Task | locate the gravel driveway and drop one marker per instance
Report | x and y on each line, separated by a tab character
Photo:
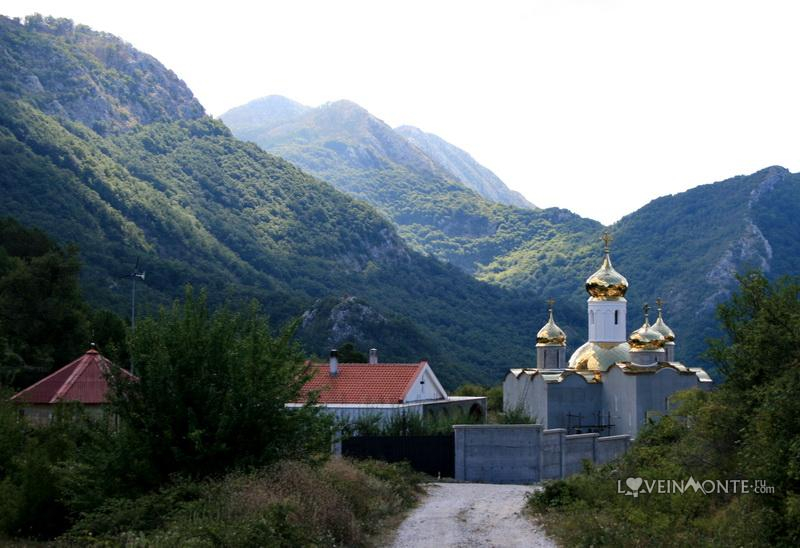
470	514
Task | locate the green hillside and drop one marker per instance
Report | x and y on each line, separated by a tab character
686	249
154	179
345	145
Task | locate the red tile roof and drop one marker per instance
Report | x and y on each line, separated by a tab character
83	380
363	383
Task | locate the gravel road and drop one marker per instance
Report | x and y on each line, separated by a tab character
471	514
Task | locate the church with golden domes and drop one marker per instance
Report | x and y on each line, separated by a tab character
612	384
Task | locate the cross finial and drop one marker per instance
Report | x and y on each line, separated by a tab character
659	303
646	309
607	240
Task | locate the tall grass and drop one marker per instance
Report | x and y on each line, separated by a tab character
289	504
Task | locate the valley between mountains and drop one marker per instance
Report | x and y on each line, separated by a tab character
379	236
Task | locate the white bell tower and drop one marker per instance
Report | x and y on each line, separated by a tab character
607	304
607	321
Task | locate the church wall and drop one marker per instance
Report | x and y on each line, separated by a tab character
619	399
536	404
512	391
654	393
572	396
527	393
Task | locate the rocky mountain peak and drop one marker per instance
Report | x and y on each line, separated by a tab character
89	77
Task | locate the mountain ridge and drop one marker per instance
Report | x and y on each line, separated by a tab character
466	169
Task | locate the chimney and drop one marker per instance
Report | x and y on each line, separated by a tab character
333	363
373	356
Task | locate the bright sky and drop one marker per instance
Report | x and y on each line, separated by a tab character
595	106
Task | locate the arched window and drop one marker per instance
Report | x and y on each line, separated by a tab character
591	316
616	317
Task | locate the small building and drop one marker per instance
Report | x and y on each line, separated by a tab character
83	380
351	391
612	384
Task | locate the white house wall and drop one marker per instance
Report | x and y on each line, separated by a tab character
426	387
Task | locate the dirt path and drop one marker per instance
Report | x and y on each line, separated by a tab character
470	514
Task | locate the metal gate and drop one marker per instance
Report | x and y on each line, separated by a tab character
433	455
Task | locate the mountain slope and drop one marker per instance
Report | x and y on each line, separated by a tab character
464	167
174	188
345	145
685	248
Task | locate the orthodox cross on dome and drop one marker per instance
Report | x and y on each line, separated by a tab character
646	309
607	240
550	303
659	304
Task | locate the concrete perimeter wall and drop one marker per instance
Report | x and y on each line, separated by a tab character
501	453
526	453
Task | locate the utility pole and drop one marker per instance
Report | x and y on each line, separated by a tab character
134	276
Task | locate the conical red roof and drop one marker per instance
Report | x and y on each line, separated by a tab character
83	380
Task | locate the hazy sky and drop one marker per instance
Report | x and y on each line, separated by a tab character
596	106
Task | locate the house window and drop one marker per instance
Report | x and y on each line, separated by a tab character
616	317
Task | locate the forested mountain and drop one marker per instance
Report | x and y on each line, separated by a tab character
147	175
102	146
684	248
345	145
464	167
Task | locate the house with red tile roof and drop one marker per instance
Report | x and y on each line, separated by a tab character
354	390
83	380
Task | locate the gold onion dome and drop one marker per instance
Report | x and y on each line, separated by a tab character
607	284
551	334
661	326
646	338
599	356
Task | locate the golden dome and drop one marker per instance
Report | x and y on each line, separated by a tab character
661	326
551	334
646	338
607	284
597	356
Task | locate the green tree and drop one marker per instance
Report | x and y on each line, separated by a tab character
348	353
43	318
211	392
